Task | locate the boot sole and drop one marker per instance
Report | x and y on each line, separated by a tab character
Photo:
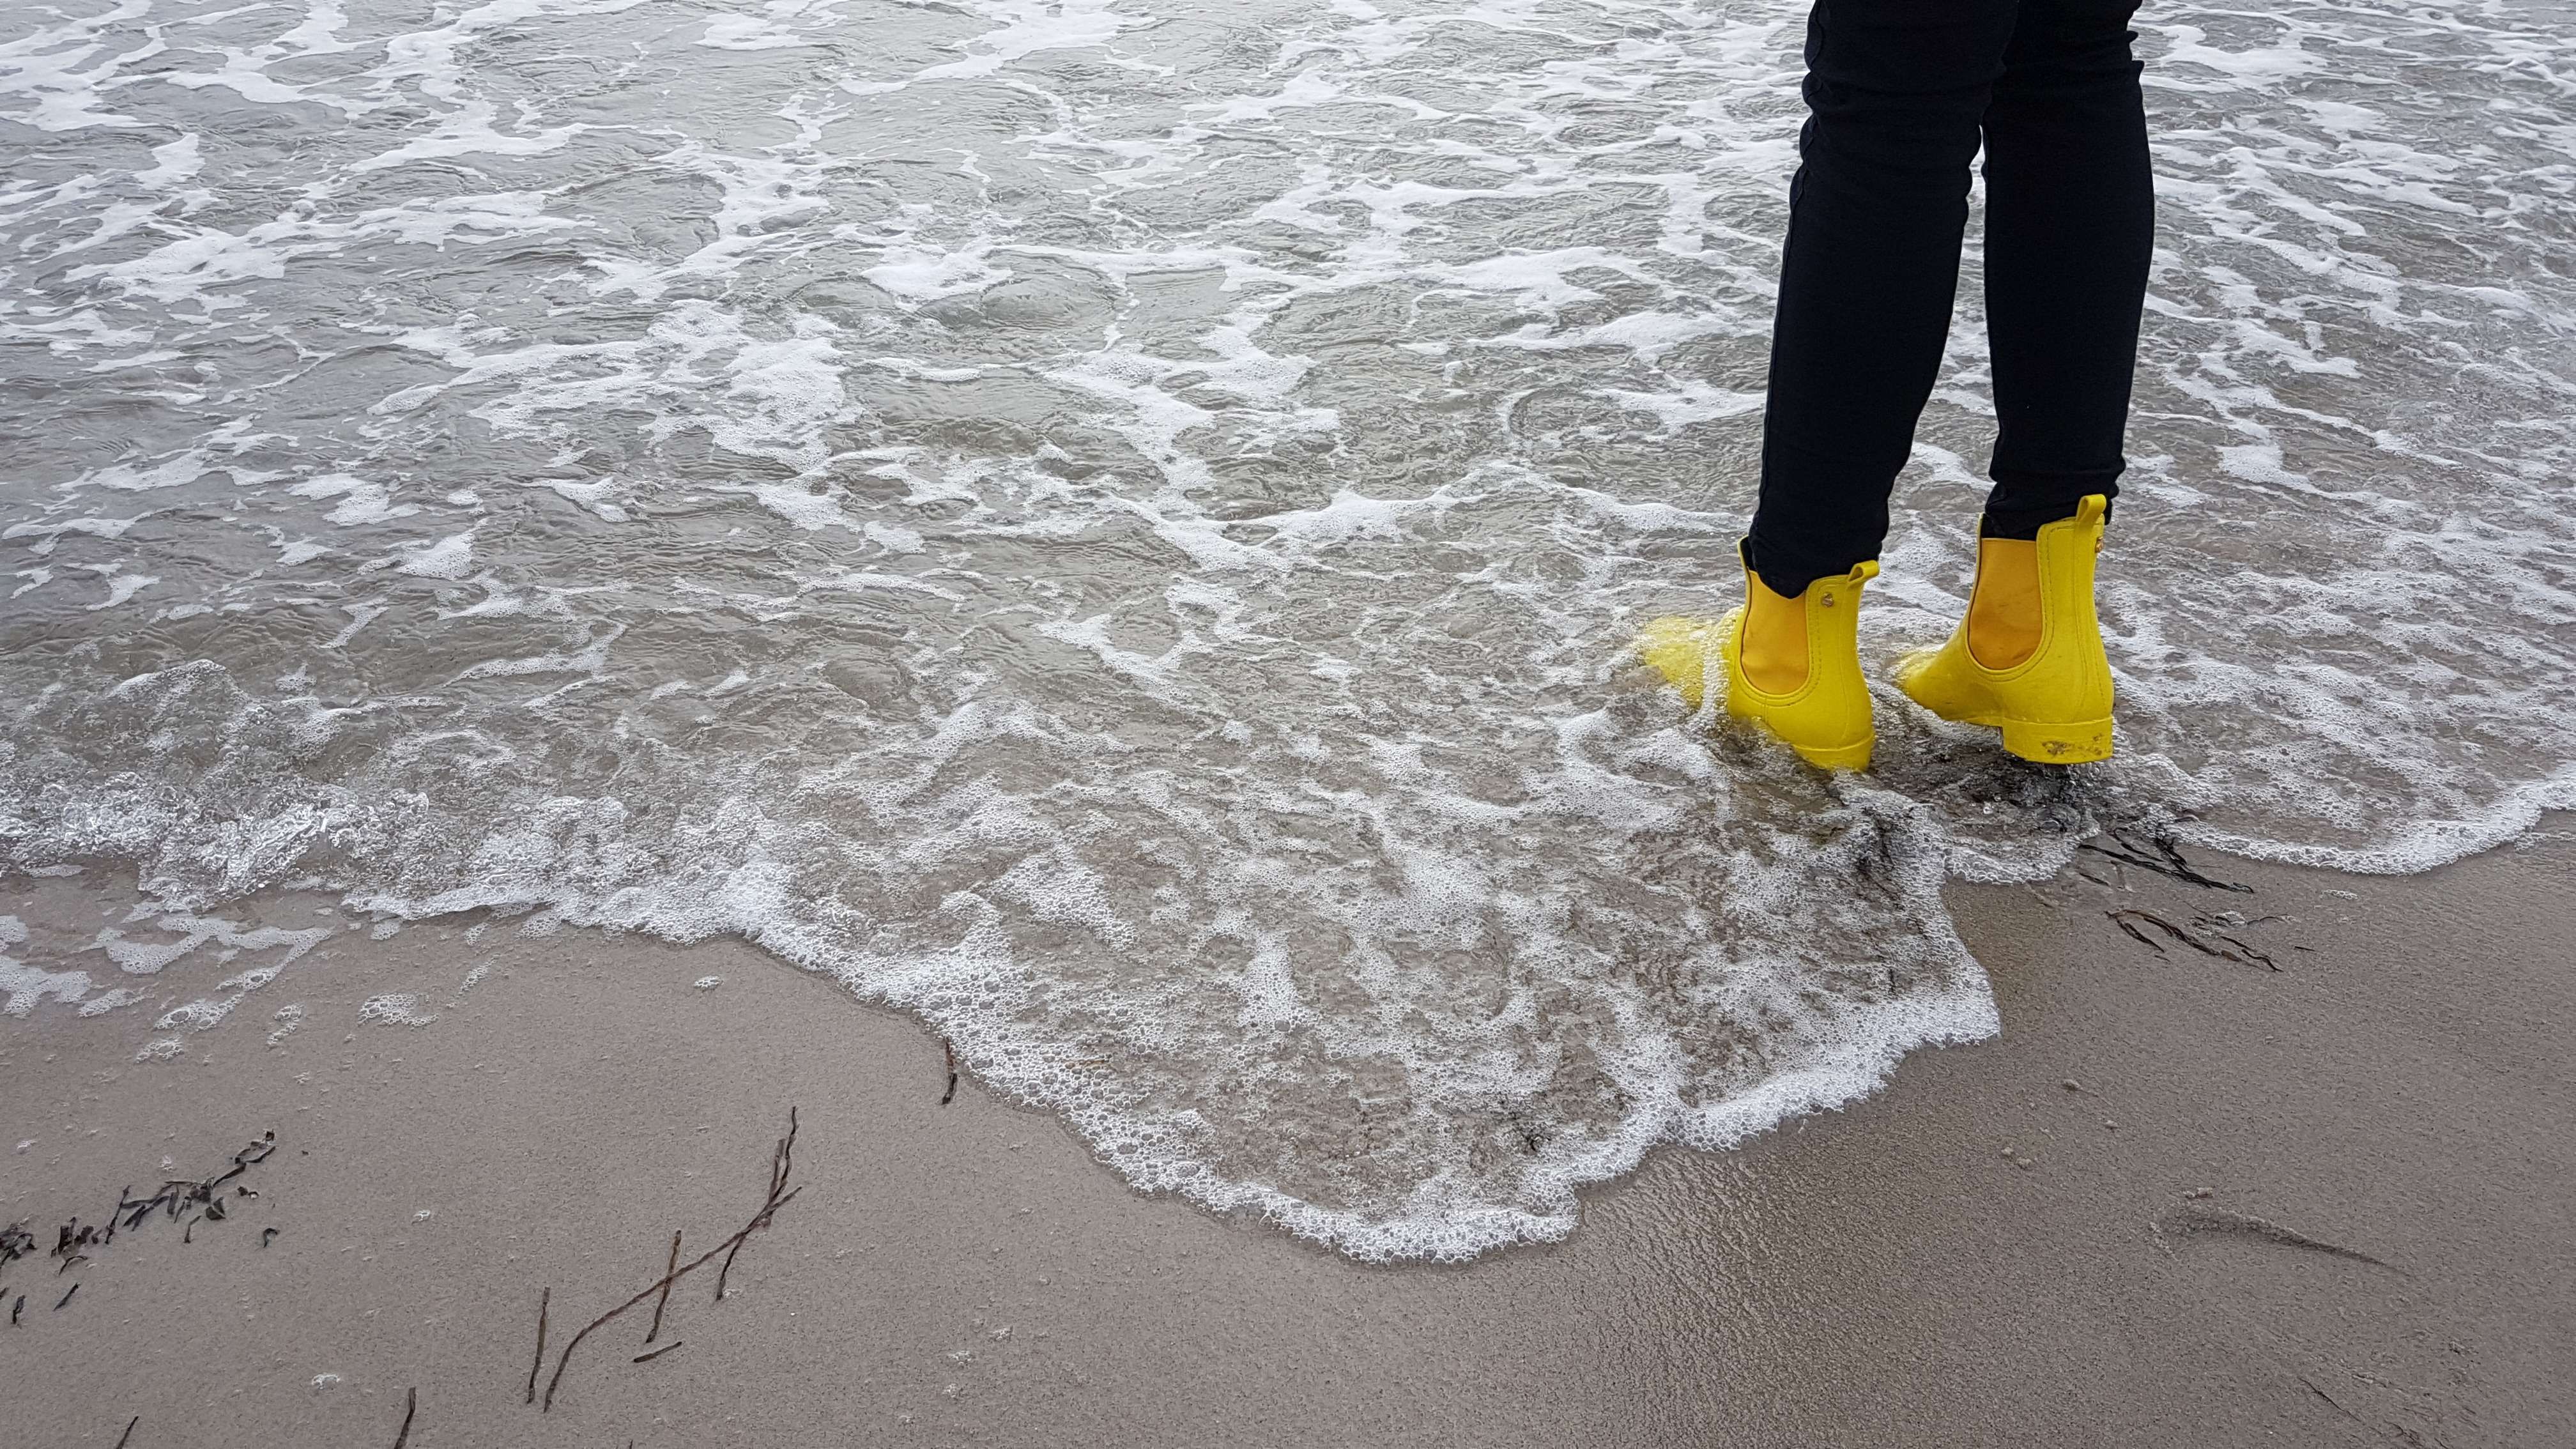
2078	743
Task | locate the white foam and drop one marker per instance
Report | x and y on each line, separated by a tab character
362	502
29	986
447	558
394	1008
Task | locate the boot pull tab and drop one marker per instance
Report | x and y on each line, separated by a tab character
1861	573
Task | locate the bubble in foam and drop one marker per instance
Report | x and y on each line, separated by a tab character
394	1008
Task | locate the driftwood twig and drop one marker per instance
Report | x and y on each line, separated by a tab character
665	1300
782	1163
411	1406
544	1295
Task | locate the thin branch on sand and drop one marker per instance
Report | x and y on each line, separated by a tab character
411	1406
665	1300
782	1163
544	1295
950	1052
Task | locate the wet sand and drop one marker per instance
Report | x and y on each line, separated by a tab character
2184	1200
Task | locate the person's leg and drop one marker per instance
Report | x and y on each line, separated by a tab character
1897	91
2070	220
2070	224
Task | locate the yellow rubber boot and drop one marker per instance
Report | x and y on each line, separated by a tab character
2049	688
1812	696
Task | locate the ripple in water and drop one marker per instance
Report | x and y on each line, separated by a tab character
1114	528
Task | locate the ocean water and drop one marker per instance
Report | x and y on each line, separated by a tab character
1116	528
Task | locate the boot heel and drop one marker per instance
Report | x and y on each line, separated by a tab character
2073	743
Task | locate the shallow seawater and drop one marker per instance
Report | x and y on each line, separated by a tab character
1116	528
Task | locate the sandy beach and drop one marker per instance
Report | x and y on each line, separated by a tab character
2185	1199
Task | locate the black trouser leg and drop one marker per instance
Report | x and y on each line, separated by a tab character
1900	94
2070	224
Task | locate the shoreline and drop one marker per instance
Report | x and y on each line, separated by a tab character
2330	1207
